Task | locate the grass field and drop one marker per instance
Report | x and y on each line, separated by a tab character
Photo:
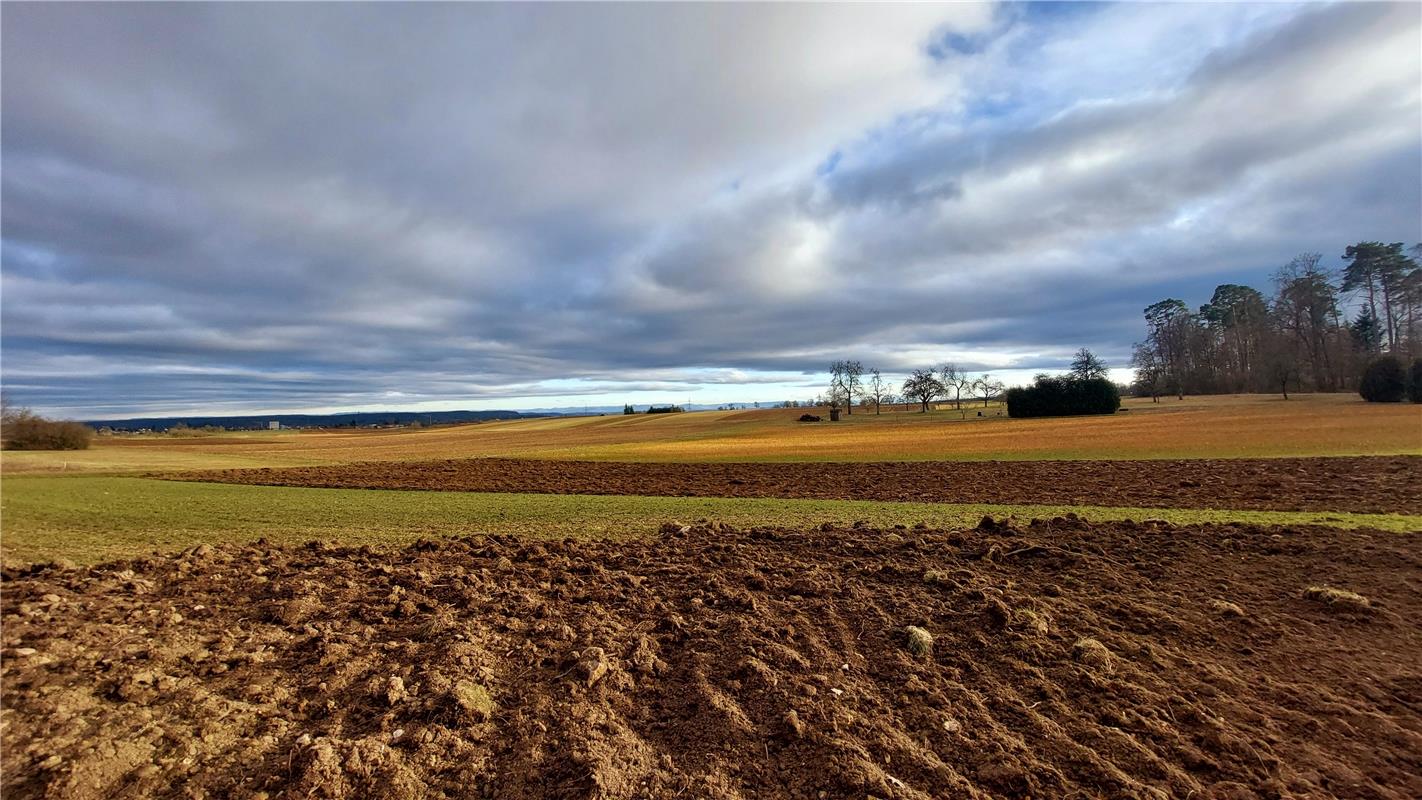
89	519
91	505
1197	427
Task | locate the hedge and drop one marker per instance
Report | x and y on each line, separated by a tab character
1384	381
1063	396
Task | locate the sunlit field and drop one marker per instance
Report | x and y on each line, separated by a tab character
1197	427
90	519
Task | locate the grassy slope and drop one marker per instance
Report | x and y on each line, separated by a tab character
1212	427
96	518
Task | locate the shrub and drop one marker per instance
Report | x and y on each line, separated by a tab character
1061	396
1414	381
25	430
1384	381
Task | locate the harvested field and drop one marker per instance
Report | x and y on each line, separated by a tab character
1236	426
1380	484
1061	659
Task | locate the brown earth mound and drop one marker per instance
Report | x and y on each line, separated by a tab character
1379	484
1056	660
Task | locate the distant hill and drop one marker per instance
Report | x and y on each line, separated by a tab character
355	419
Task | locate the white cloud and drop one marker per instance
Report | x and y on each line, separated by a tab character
464	201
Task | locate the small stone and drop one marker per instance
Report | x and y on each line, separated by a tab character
51	598
998	613
920	641
793	723
1226	609
593	665
51	762
952	725
24	652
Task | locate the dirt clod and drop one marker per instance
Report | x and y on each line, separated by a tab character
794	725
593	665
1226	609
395	690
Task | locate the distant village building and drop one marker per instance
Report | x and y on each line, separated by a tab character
274	425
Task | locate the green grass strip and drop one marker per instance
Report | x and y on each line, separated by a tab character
90	519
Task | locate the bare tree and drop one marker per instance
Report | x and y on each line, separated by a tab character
986	387
923	386
878	390
1150	375
853	385
955	378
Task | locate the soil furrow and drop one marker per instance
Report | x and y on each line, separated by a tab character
1373	484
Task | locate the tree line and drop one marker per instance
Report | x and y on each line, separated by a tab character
850	381
1318	329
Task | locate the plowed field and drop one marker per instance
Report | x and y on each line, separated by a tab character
1061	660
1382	484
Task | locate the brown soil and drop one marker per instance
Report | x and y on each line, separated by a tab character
1375	484
1063	660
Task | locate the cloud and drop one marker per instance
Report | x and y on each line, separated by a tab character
335	205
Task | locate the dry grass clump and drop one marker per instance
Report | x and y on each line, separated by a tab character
1340	599
1226	609
473	700
1033	621
1094	655
920	641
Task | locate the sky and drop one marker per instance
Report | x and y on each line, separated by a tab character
250	208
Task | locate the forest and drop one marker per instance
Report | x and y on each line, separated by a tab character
1318	330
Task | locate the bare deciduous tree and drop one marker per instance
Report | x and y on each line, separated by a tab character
955	378
923	386
987	388
878	390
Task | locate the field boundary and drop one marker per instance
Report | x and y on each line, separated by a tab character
1376	484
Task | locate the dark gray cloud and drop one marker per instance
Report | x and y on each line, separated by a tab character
331	205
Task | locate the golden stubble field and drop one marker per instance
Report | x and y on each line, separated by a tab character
1197	427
